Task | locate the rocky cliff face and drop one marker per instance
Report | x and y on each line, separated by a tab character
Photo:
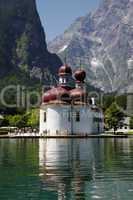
104	42
22	41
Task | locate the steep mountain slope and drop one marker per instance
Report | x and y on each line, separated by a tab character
104	42
23	48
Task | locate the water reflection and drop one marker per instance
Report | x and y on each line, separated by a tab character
66	169
87	169
66	165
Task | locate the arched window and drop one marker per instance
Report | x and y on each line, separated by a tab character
77	116
45	116
69	116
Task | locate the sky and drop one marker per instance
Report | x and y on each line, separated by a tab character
57	15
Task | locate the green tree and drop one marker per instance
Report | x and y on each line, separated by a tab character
113	117
131	122
33	118
16	120
107	100
21	119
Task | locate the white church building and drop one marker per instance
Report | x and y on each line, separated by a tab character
67	111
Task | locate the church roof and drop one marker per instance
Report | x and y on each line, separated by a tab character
65	70
57	93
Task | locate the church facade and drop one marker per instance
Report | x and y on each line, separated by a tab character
69	111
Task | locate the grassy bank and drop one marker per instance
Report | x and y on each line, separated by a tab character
129	132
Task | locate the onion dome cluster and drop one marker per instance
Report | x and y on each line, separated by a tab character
65	93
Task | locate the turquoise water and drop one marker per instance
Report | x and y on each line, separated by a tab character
62	169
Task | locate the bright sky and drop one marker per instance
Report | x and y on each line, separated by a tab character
57	15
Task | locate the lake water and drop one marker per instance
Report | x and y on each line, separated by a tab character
78	169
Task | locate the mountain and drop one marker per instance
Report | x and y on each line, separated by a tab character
103	40
23	48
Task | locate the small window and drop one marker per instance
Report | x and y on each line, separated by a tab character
64	80
69	115
77	116
45	116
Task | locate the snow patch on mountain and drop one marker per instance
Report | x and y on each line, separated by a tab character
63	49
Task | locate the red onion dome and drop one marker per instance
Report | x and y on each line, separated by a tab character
65	70
57	93
80	75
78	94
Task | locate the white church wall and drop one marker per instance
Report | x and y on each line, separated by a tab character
84	126
61	120
57	120
98	123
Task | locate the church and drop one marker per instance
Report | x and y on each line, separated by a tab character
67	110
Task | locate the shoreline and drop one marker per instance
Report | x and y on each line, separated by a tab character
67	137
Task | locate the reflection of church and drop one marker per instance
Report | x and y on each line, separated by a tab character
86	168
66	166
70	111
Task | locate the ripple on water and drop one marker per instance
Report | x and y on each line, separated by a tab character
66	169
